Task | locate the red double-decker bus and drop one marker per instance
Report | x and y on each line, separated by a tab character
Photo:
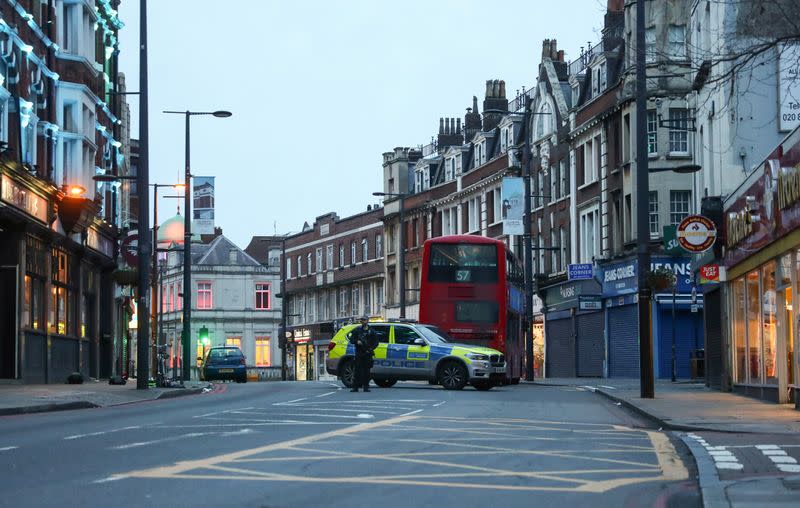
472	287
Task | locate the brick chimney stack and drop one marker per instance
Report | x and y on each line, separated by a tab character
472	120
449	134
495	105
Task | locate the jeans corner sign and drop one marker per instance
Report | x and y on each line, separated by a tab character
696	233
580	271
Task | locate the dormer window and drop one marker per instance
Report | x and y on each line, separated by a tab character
449	169
480	153
544	120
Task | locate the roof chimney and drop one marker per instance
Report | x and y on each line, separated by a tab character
495	104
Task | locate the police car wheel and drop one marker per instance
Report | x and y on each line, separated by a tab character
453	376
385	382
482	387
348	373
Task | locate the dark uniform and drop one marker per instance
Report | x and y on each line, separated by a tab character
365	342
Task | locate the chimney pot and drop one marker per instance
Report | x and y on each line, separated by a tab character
560	55
502	89
441	125
488	88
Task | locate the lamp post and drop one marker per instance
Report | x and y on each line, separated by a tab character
187	240
646	380
401	247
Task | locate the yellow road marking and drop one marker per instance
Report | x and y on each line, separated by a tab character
668	459
669	465
182	467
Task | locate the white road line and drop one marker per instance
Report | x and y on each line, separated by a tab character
290	402
109	479
211	414
590	388
326	394
780	458
90	434
439	404
7	448
605	386
173	438
412	413
365	416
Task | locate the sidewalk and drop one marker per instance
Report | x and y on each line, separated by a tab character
21	399
693	407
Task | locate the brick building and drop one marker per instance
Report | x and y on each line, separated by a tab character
333	274
59	126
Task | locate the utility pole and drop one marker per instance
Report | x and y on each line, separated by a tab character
529	275
282	339
143	189
642	210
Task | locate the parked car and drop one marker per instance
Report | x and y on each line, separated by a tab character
224	362
415	351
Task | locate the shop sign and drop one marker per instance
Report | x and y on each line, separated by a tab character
696	233
24	199
671	245
565	296
590	302
580	271
622	278
100	243
768	206
129	249
301	335
709	274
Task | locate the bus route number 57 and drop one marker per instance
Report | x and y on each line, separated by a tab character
462	275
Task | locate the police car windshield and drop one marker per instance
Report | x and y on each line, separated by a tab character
434	334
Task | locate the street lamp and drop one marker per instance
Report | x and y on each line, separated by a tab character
187	241
401	247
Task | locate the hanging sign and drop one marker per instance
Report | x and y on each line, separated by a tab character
696	233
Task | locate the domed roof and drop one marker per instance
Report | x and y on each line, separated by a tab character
171	230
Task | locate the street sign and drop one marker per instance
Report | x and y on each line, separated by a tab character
580	271
128	249
590	302
696	233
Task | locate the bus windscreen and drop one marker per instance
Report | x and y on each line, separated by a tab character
463	262
476	312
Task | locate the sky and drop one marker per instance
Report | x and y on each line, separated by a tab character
319	90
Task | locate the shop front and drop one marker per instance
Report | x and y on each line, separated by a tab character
309	350
762	262
573	330
677	321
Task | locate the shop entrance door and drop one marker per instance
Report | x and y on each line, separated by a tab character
785	336
9	335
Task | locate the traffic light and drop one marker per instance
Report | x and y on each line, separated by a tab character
203	336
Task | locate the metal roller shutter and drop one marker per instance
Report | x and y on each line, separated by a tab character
623	341
590	344
560	359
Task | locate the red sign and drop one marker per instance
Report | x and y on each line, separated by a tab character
709	273
767	205
129	249
696	233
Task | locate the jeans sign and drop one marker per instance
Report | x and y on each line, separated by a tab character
580	271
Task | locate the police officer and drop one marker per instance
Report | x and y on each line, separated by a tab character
365	342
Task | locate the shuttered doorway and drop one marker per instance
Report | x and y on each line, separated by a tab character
623	341
590	344
560	353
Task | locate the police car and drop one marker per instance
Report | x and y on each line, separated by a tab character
414	351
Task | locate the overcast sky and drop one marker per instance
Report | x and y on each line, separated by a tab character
320	89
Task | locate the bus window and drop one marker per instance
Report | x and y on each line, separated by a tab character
463	263
476	312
